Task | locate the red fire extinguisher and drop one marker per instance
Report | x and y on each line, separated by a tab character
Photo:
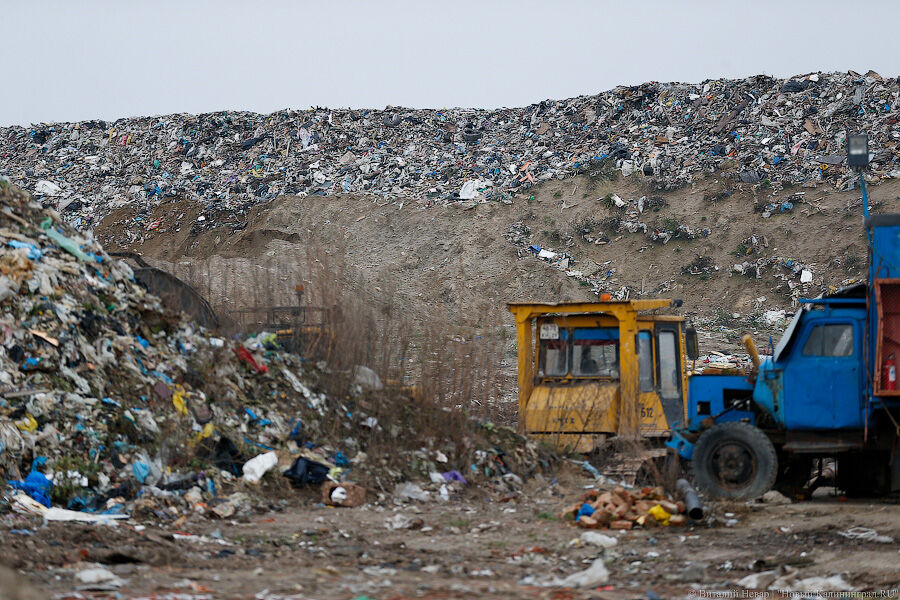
889	373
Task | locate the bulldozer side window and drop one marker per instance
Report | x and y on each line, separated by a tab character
668	366
645	361
554	357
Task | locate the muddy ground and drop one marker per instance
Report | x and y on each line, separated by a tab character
471	547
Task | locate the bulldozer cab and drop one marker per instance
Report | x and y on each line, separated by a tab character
592	371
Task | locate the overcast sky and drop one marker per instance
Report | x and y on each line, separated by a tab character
65	60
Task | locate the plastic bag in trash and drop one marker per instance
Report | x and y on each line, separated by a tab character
35	485
259	465
306	471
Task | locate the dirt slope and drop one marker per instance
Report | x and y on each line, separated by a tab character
459	258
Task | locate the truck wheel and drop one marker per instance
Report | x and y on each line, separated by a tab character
734	460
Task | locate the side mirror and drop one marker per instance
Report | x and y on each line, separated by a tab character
693	346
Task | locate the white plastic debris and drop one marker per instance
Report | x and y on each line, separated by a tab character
366	378
596	574
99	575
411	491
864	533
47	188
468	190
757	581
402	521
23	503
513	479
598	539
835	583
806	276
296	383
338	495
773	317
259	465
787	578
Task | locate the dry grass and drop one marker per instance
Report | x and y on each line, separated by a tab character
441	372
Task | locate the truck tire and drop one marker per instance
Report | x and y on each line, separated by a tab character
734	460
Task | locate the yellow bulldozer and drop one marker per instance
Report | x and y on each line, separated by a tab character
592	372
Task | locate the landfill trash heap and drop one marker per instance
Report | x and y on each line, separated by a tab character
757	130
112	404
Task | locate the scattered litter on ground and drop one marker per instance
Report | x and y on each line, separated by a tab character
866	534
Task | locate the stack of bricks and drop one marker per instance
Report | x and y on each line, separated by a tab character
623	509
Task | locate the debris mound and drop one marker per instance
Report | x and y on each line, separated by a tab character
759	130
106	395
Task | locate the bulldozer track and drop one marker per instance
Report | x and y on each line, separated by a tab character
627	469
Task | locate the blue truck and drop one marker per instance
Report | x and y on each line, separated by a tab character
827	390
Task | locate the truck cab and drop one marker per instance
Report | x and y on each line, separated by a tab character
824	392
818	365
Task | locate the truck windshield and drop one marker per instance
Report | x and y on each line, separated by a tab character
595	352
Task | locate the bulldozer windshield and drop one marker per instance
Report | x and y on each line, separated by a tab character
584	352
595	352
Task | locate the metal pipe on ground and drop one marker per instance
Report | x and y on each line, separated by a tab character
691	501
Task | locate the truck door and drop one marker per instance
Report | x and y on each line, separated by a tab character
822	380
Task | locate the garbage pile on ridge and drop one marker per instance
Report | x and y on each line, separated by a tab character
631	220
636	217
110	404
757	130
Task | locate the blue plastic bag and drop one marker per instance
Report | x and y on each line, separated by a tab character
35	485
